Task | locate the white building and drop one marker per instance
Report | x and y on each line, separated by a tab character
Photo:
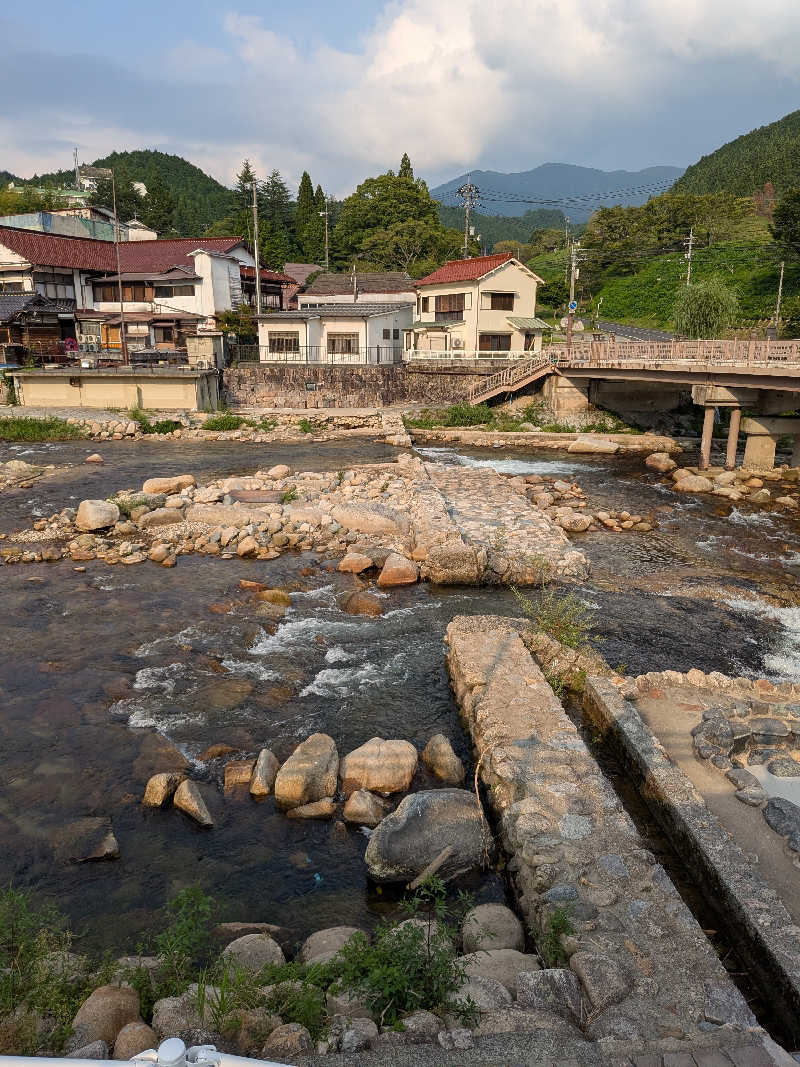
335	333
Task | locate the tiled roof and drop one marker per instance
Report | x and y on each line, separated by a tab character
301	271
466	270
267	275
336	311
85	253
12	303
385	281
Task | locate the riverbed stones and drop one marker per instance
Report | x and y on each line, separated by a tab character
189	800
253	952
371	517
134	1038
486	994
661	462
317	809
96	515
278	472
324	944
264	774
694	483
504	965
439	757
379	766
593	446
309	774
160	788
397	570
424	824
452	563
85	840
492	926
362	603
103	1014
784	767
603	979
364	809
237	773
161	517
783	816
355	563
170	485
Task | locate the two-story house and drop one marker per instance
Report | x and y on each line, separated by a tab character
482	305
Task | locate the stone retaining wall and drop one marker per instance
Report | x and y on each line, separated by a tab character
647	973
766	936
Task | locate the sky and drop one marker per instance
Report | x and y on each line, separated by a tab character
342	88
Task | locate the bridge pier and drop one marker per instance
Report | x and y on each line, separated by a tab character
733	439
705	440
762	439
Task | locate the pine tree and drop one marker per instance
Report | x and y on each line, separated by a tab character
305	205
243	192
406	170
158	208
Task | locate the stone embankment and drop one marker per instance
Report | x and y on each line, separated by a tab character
628	966
580	443
409	519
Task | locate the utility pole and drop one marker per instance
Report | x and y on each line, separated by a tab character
688	242
255	243
573	274
123	340
77	169
778	305
324	214
566	231
469	195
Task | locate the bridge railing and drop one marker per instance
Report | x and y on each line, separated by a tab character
740	353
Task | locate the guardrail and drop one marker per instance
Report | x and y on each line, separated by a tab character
458	355
511	376
738	353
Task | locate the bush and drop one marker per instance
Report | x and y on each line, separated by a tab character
224	421
455	415
705	309
28	429
562	616
306	426
11	393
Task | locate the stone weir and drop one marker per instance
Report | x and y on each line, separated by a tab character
629	966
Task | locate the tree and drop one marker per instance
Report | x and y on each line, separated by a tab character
416	247
243	193
305	205
790	317
785	227
158	208
239	322
406	170
129	202
706	309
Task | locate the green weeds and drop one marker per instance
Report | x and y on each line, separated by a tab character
28	429
225	421
562	616
306	426
549	943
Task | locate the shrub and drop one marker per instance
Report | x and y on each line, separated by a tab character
28	429
549	943
455	415
306	426
705	309
186	937
224	421
289	496
11	393
562	616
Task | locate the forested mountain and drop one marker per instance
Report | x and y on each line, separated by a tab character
553	181
768	154
494	228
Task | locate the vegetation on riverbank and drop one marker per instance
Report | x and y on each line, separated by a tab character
532	417
29	429
405	967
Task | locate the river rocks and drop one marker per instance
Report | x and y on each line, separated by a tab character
96	515
504	965
134	1038
248	546
364	809
103	1014
784	767
593	445
379	766
554	989
317	809
161	788
397	570
253	952
492	926
309	774
222	515
661	462
177	1016
86	840
278	472
694	483
361	603
439	757
189	800
486	994
238	772
264	774
784	817
371	518
278	597
424	824
287	1043
347	1035
95	457
355	563
161	517
324	944
169	485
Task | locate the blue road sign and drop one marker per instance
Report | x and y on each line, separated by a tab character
573	305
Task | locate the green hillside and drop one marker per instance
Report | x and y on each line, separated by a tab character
768	154
494	228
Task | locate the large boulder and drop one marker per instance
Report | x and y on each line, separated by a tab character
264	774
694	483
439	757
355	563
189	800
486	994
424	824
492	926
661	462
169	485
309	774
103	1014
253	952
372	518
161	787
287	1043
223	515
453	563
361	603
364	809
134	1038
397	570
96	515
504	965
87	839
593	446
324	944
379	766
161	517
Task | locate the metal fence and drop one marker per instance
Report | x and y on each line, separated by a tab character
737	353
462	355
317	355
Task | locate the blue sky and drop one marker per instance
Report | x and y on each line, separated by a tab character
342	89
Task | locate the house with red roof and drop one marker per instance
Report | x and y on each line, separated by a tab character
169	289
479	307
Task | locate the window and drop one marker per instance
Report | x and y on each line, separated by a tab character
284	342
163	335
105	294
497	301
342	343
494	342
450	307
55	286
138	328
11	287
269	300
395	335
133	292
387	335
163	292
426	303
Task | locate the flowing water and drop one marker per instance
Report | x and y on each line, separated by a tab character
106	667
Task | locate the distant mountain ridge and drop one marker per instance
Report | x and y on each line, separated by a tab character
767	154
552	181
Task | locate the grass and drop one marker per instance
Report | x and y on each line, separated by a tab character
162	426
289	496
225	421
28	429
549	944
535	414
306	426
562	616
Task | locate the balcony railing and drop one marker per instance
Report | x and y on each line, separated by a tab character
462	355
317	355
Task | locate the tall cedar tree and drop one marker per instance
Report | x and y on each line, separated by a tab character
406	170
305	205
785	226
312	239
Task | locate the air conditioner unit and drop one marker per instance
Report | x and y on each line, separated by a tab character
458	342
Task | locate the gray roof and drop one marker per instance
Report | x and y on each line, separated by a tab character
334	311
12	303
384	281
301	271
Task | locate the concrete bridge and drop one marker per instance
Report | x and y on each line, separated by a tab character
761	376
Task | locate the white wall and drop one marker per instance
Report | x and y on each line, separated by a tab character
308	299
